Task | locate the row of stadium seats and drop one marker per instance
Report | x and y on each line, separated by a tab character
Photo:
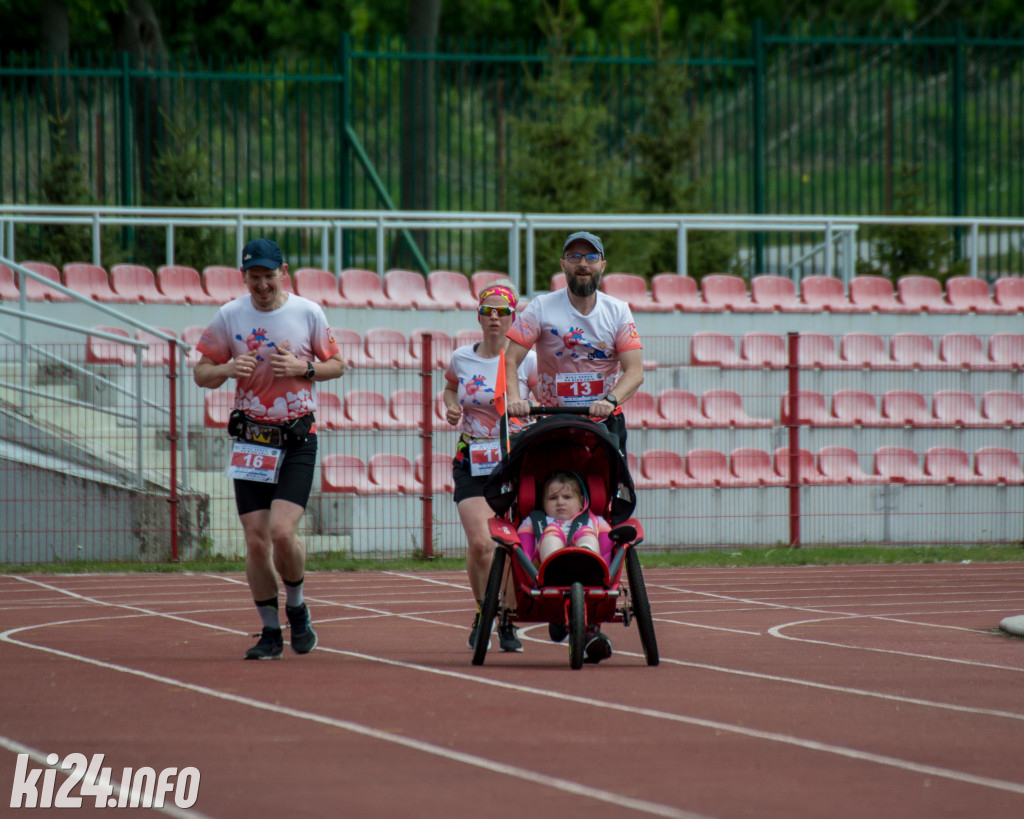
905	351
949	408
833	465
384	473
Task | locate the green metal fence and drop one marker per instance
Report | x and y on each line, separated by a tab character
841	122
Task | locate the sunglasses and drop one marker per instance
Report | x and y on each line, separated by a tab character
501	311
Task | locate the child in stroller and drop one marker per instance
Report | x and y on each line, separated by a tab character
565	520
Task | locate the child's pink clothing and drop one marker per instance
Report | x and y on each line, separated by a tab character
594	525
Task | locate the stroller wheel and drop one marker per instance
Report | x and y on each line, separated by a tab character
489	607
577	626
641	607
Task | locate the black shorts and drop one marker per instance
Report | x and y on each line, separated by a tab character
294	483
466	485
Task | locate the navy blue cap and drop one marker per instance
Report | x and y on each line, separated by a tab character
262	253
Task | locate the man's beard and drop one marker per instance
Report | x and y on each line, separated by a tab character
581	288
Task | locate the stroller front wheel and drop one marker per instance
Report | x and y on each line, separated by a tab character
489	606
577	625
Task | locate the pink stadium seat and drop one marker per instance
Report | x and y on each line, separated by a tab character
914	351
159	352
389	348
680	409
906	408
763	350
679	292
708	467
875	293
856	408
35	290
956	408
352	349
967	295
864	350
393	473
479	280
1006	351
632	289
729	293
922	294
347	474
664	468
439	410
365	409
752	467
1003	408
104	351
640	481
777	293
806	470
319	286
89	280
223	283
136	283
642	410
191	335
405	288
363	288
441	472
8	284
826	293
946	464
286	283
330	414
997	465
841	465
217	407
557	282
181	285
451	289
963	351
818	350
405	410
464	337
724	408
897	464
709	349
1008	294
811	409
441	347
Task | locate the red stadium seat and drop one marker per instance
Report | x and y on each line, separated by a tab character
441	480
724	408
922	294
1006	351
729	293
8	284
352	349
640	481
159	352
319	286
806	470
347	474
826	293
136	282
389	348
810	406
708	467
363	288
956	408
965	352
642	410
1008	294
997	465
451	289
679	292
330	414
818	350
406	288
89	280
1003	408
763	350
914	351
479	280
680	409
557	282
393	473
856	408
753	467
36	290
841	465
405	409
191	335
967	295
632	289
777	293
875	293
864	350
179	285
906	408
104	351
224	284
217	408
441	347
897	464
664	468
365	409
464	337
709	349
947	464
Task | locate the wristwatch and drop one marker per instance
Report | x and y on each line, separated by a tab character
611	399
310	371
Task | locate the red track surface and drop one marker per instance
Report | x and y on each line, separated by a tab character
796	692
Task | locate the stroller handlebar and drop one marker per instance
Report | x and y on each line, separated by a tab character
560	410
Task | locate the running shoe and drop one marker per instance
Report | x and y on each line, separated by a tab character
507	637
270	646
598	647
303	638
471	642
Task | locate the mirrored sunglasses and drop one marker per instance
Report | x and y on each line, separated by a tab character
501	311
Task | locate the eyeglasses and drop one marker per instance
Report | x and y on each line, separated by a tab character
576	258
501	311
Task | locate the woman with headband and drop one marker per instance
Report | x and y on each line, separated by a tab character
469	401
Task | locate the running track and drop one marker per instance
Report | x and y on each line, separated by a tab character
786	692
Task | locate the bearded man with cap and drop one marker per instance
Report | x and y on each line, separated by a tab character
589	354
276	345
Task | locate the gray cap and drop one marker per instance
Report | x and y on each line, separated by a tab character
586	237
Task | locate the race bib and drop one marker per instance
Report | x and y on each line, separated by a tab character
483	457
579	388
252	462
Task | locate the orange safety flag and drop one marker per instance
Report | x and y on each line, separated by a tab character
499	385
